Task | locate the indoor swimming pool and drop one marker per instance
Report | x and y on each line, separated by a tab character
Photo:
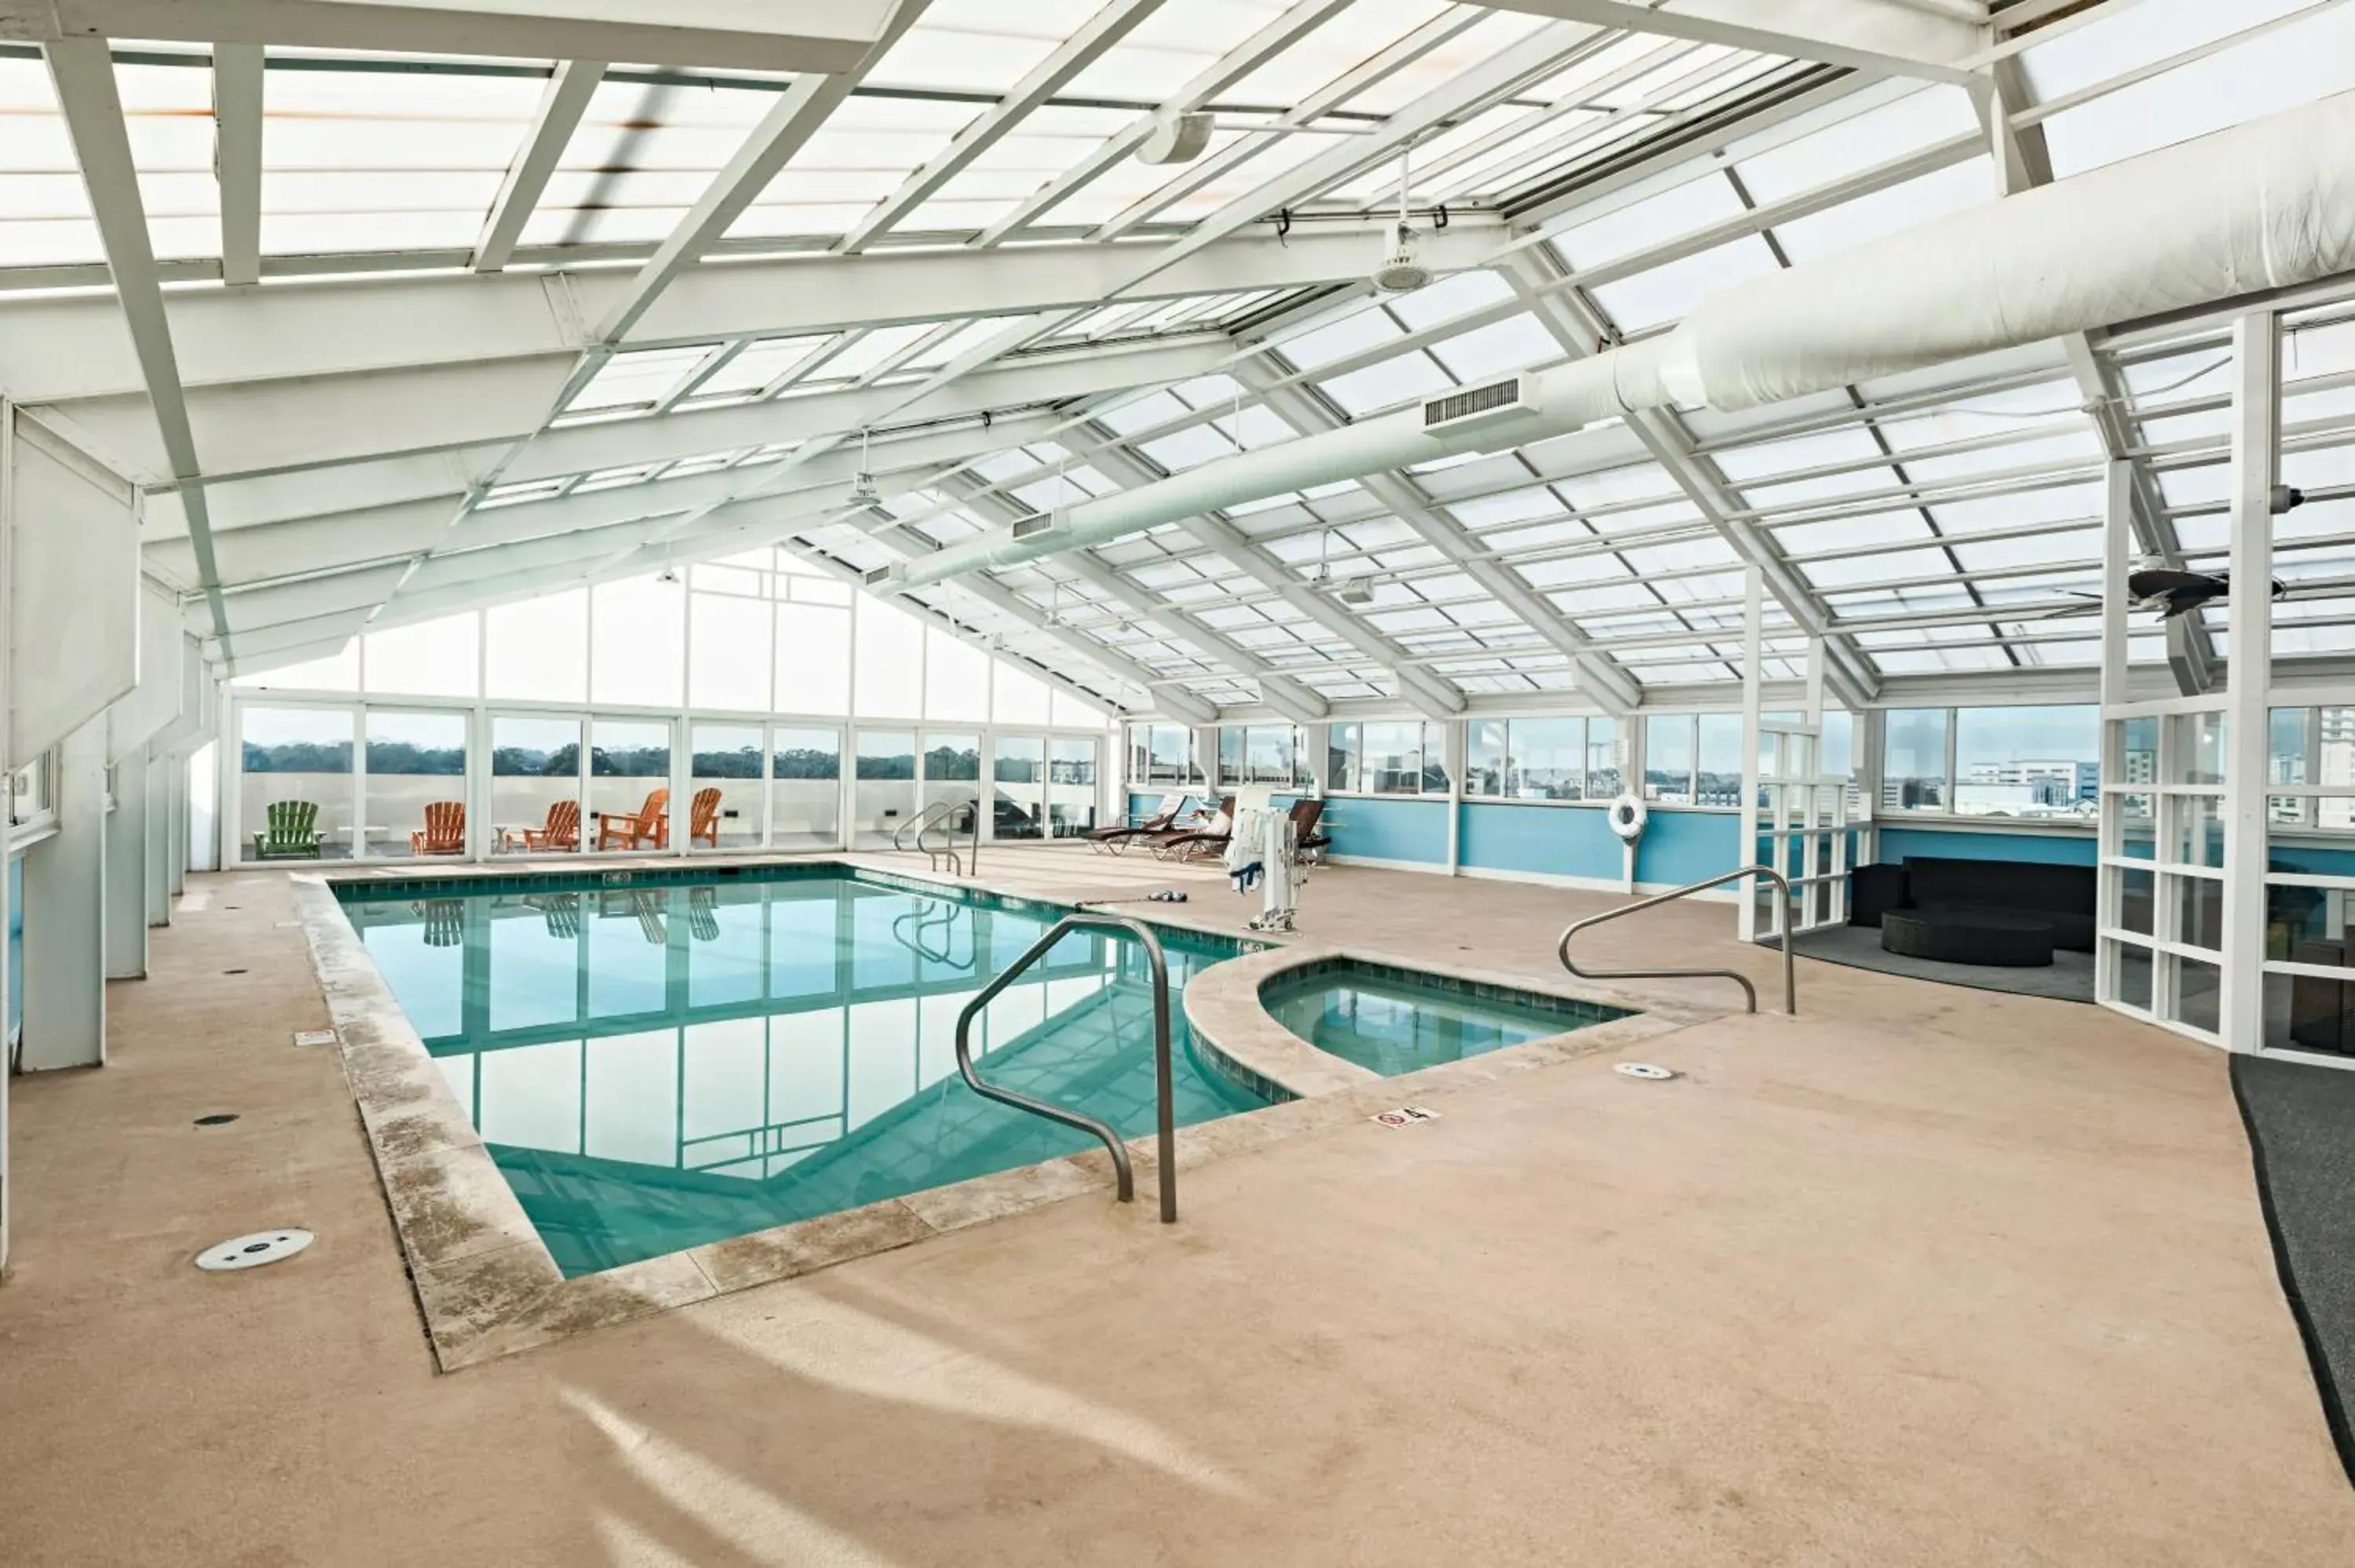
657	1064
1396	1021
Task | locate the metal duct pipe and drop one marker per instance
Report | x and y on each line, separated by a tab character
2263	206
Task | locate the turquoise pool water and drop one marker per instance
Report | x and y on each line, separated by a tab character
661	1065
1394	1021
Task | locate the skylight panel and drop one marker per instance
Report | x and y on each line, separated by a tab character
2288	65
1188	448
869	351
1276	155
1170	47
2140	34
1387	385
1919	120
636	380
1647	224
1889	211
168	113
1355	333
43	209
1488	352
1358	35
1154	408
1491	36
1668	293
979	45
759	365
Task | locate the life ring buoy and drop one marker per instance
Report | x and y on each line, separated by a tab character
1628	816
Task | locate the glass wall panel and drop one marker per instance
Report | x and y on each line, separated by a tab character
1071	789
416	761
535	769
537	650
813	660
1394	762
956	678
885	794
1717	774
1269	753
953	775
1017	698
1065	711
1605	779
2286	752
1548	759
728	659
1913	759
1018	787
629	759
432	659
1231	756
726	758
1483	757
1668	758
2041	762
804	788
297	755
637	643
1342	773
888	664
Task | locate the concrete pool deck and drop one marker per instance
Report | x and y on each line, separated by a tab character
1926	1275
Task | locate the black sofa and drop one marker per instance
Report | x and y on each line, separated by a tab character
2060	895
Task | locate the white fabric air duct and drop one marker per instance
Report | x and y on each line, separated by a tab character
2264	205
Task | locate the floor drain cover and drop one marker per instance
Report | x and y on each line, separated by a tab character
218	1118
253	1251
315	1037
1642	1070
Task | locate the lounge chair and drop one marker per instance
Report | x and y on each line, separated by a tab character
1305	839
1113	840
1209	838
292	833
445	830
649	829
703	819
563	832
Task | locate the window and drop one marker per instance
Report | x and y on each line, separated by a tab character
804	788
813	659
1071	785
1161	754
301	758
1259	753
415	761
1400	758
1341	758
728	659
727	757
1913	759
629	759
535	768
2032	762
1017	806
887	665
1544	759
1717	779
432	658
637	643
885	794
1668	758
537	650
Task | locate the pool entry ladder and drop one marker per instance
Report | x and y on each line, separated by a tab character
1790	983
1164	1094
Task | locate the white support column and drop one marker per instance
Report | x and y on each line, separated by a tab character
157	890
176	865
65	915
124	907
1454	748
1754	610
2256	455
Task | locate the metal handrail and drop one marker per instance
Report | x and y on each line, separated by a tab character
919	821
1790	981
1163	1092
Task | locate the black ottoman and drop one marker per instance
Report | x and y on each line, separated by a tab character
1986	938
1873	891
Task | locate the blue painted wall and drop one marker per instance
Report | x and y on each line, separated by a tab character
1556	841
1374	828
2044	849
2312	859
1682	847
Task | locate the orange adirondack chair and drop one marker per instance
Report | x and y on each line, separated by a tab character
445	830
649	828
703	819
563	832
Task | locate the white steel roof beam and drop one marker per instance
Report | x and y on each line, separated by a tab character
777	36
236	159
1883	37
1112	21
82	71
561	105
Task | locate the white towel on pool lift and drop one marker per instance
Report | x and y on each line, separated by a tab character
1245	857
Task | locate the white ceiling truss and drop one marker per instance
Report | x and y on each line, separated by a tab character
389	332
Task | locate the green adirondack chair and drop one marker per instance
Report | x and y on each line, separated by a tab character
292	834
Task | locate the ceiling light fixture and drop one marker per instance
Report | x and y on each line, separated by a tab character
1401	273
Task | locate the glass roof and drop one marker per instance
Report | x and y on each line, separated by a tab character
968	305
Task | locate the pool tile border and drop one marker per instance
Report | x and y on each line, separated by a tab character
487	1286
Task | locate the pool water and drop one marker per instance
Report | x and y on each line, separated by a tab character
1393	1022
659	1066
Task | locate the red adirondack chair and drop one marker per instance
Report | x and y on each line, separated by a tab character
563	832
703	819
445	830
649	829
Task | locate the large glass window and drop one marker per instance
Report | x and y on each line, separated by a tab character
537	650
432	658
953	775
813	658
629	759
2034	762
416	784
1543	759
804	788
1717	773
724	759
637	643
889	667
956	678
1259	753
1018	787
729	658
1402	759
1341	768
1161	754
885	793
1668	758
300	759
1071	791
535	784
